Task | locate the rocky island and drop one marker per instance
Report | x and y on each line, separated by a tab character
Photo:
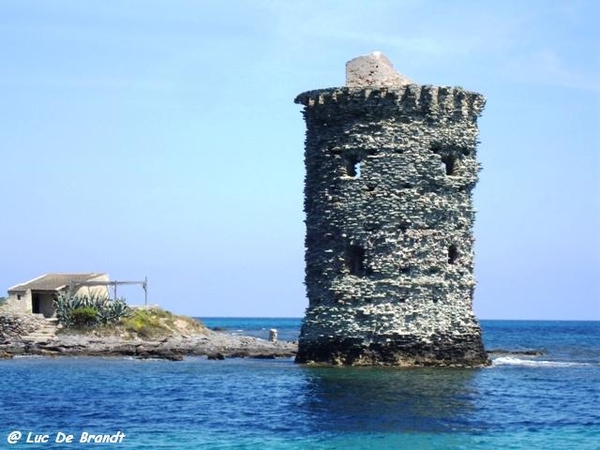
150	333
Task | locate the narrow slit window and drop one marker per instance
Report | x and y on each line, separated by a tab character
449	164
355	260
452	254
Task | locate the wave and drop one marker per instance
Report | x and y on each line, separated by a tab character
512	361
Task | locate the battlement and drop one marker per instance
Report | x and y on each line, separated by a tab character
436	102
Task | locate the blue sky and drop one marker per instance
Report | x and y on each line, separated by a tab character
160	138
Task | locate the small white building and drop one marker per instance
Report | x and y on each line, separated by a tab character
37	296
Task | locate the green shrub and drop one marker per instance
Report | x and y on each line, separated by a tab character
84	317
154	322
146	323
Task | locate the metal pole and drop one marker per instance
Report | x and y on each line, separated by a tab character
146	291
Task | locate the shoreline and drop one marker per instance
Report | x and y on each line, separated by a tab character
24	335
212	344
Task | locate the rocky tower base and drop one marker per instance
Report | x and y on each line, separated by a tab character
457	346
390	167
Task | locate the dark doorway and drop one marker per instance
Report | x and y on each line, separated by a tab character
36	304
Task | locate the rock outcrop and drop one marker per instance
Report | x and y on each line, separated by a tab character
13	325
390	168
22	335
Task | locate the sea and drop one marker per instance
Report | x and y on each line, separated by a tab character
547	402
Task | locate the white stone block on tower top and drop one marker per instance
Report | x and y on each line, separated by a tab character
373	70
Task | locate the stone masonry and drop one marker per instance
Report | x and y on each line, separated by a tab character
390	169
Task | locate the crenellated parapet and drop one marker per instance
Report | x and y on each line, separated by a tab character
432	102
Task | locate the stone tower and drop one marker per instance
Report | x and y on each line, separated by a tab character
390	168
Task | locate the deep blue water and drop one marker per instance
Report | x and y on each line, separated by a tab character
546	402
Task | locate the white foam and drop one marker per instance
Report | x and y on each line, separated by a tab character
512	361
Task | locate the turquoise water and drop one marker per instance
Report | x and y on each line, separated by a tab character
288	329
548	402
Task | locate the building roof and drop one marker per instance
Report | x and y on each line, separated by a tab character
53	281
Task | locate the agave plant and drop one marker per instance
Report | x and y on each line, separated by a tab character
112	311
63	305
106	311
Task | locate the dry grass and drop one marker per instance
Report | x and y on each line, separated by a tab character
149	323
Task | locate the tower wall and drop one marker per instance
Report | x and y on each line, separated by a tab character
389	226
